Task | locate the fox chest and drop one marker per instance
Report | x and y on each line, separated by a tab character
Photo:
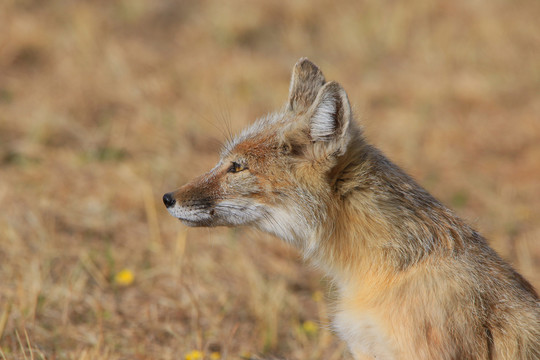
364	335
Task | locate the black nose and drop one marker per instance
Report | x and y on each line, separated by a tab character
168	200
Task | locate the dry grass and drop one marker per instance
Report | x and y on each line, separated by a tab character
105	105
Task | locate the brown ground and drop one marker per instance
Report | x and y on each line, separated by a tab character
106	105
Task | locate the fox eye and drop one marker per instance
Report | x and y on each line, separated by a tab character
236	167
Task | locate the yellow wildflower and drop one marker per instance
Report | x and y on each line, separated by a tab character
215	356
309	327
124	277
194	355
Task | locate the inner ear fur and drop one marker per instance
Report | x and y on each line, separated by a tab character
306	81
330	116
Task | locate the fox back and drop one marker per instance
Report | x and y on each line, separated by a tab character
414	281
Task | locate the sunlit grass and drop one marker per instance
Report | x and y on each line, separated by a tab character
104	106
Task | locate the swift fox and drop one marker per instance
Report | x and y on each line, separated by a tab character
414	281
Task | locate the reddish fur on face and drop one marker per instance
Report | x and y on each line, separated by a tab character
414	280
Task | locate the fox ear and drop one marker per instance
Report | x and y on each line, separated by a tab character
330	117
306	82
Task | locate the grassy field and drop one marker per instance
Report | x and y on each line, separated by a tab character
106	105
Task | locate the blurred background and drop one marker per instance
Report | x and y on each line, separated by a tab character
106	105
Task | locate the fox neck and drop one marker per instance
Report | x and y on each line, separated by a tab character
376	219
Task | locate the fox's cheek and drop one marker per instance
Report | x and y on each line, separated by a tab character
237	211
277	183
242	186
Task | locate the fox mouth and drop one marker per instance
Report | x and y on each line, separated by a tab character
194	223
191	223
210	213
190	217
191	214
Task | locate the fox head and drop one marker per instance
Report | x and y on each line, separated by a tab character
280	174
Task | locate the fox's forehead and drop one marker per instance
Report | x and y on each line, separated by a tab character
260	137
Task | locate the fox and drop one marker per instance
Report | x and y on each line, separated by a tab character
413	280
